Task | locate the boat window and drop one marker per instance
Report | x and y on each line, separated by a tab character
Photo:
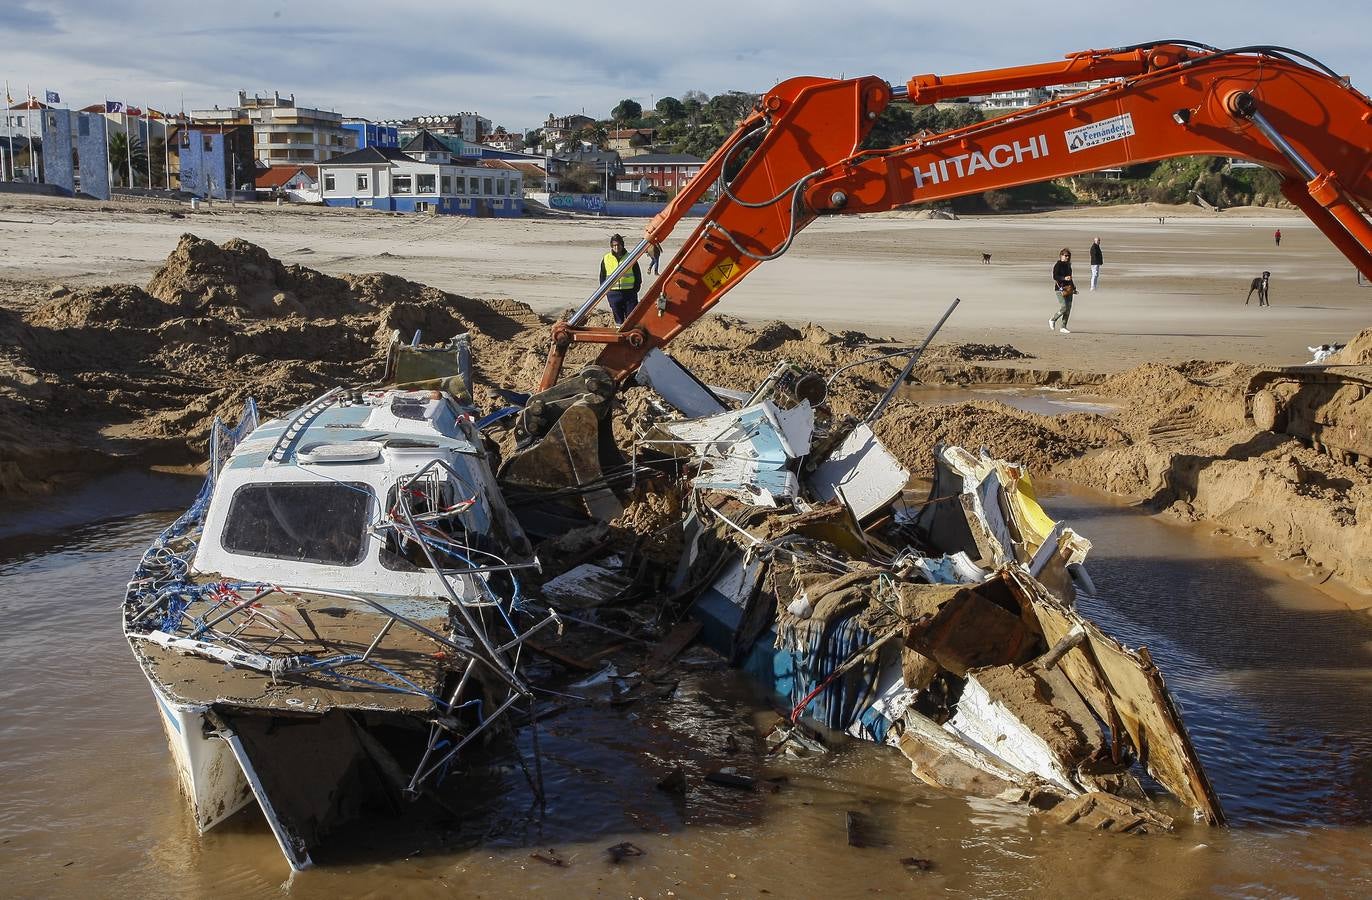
318	522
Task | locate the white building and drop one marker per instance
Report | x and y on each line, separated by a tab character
422	177
470	126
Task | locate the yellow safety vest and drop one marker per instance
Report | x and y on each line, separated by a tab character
626	281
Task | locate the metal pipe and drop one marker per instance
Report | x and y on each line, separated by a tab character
630	258
1245	106
914	358
863	362
420	777
536	564
385	629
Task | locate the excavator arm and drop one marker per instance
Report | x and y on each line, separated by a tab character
799	156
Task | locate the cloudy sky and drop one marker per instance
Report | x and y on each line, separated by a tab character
515	62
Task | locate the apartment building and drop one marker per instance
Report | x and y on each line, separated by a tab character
469	126
284	133
668	172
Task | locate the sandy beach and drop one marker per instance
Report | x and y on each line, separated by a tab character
1168	292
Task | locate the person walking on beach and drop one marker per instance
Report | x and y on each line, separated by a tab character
623	295
1276	236
1096	261
1063	287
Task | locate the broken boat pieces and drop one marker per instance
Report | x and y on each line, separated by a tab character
949	633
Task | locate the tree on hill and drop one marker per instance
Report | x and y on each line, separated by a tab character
693	105
728	108
595	133
627	110
671	109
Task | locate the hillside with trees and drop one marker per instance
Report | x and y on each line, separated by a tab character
698	124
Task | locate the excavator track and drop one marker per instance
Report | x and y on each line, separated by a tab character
1327	407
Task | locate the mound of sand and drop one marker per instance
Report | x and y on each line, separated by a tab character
216	324
1357	352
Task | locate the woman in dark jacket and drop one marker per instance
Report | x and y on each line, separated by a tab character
1064	288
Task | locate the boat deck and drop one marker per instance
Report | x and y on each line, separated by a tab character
296	628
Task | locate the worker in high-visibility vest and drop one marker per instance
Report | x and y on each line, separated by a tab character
623	295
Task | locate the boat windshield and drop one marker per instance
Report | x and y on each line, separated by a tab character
318	522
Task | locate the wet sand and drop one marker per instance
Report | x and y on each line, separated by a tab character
1168	292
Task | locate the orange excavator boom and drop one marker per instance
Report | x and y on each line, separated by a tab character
799	155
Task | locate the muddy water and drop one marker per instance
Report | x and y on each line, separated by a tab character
1276	696
1038	400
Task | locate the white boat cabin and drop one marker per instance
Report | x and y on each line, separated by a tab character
308	500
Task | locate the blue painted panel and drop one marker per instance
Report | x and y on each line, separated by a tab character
57	168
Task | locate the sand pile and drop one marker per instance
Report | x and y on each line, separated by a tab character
216	324
1357	352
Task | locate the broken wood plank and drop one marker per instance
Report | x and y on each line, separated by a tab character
666	650
558	656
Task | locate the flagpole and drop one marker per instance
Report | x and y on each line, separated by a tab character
9	129
128	143
166	152
28	132
109	163
147	145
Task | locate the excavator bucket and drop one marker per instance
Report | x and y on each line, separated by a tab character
573	454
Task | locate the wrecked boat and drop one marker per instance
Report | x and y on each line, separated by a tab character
945	627
334	618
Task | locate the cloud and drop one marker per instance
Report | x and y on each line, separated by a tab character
518	62
25	18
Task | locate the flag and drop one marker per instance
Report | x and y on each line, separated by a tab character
53	98
133	111
113	106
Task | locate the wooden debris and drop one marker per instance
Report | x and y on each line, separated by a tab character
666	650
549	857
1106	812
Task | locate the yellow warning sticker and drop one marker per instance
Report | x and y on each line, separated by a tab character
721	274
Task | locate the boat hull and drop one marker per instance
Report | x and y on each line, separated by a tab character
211	779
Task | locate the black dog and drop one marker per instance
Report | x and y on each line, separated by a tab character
986	259
1259	284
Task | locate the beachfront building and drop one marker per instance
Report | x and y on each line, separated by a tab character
298	184
667	172
423	177
23	122
372	134
214	161
284	133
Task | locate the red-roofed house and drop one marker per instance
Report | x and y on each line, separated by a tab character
299	184
631	141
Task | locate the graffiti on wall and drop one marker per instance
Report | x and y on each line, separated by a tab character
586	203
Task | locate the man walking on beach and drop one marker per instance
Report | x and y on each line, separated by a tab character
623	295
1096	260
1063	287
1276	236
